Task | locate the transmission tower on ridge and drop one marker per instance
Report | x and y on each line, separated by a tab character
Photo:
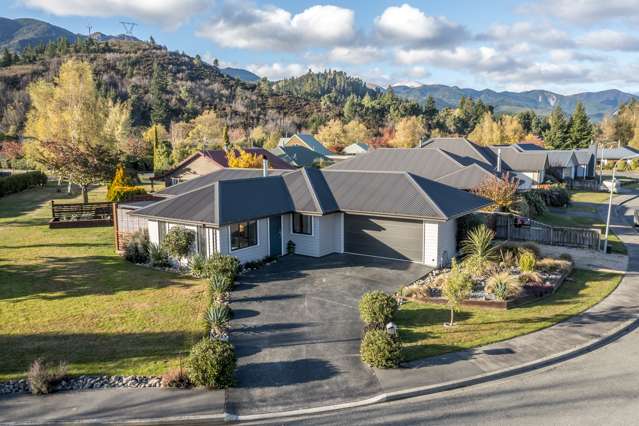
90	27
128	27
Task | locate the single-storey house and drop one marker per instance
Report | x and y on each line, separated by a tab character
207	161
585	158
356	148
300	156
307	141
386	214
563	163
613	154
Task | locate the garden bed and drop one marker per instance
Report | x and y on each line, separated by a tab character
481	299
79	223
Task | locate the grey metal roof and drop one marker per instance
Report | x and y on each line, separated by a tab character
561	158
618	153
300	193
309	141
398	194
527	161
462	147
243	199
356	148
585	155
298	156
523	146
196	206
223	174
429	163
467	178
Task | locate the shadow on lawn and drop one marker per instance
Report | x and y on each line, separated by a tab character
62	277
106	349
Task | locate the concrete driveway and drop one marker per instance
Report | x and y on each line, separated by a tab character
296	331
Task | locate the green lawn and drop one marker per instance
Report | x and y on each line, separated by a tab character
65	295
423	334
583	213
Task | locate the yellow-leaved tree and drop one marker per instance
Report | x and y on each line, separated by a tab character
332	135
409	131
512	130
73	131
487	131
242	159
356	131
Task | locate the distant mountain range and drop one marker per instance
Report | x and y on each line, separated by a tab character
16	34
541	101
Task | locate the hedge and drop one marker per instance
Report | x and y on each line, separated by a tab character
20	182
124	193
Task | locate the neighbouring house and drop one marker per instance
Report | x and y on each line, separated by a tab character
387	214
563	163
300	156
356	148
435	164
609	155
307	141
585	158
207	161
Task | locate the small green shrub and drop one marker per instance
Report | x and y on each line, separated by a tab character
197	265
125	193
290	247
458	286
137	248
217	318
43	376
178	241
20	182
158	257
536	203
218	264
527	261
211	363
377	307
380	350
531	247
503	285
219	287
555	196
478	250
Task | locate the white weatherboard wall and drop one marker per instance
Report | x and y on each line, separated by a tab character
248	254
154	234
327	236
440	242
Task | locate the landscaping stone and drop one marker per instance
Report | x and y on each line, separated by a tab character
85	382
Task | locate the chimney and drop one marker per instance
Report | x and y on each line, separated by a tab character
499	160
264	166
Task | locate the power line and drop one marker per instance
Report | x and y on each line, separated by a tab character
128	27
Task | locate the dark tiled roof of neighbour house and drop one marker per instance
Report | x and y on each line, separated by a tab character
224	174
429	163
462	147
561	158
298	156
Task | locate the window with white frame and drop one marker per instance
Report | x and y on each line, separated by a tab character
302	224
243	235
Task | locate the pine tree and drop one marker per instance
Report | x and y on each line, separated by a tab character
158	89
557	135
225	137
580	128
7	58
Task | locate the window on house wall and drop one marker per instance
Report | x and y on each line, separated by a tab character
243	235
302	224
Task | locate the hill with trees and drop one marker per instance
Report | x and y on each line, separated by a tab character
16	34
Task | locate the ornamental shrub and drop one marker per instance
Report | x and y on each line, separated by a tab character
211	363
137	248
380	350
536	203
377	307
119	194
503	285
197	265
219	264
178	241
527	261
20	182
158	257
42	376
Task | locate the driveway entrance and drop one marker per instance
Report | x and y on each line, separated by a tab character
296	330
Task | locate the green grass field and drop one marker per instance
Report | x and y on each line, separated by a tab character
66	295
423	334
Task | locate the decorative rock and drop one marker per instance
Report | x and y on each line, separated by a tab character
85	382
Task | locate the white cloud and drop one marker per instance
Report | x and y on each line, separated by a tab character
539	34
277	29
409	25
586	11
355	55
168	13
610	40
279	71
481	59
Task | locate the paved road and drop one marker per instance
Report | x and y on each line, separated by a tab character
597	388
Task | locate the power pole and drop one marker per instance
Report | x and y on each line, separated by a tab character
128	27
89	27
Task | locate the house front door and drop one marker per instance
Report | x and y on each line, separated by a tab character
275	235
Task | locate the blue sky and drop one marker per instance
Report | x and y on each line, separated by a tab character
566	46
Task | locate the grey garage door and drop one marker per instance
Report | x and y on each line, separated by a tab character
383	237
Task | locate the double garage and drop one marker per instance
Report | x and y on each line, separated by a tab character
384	237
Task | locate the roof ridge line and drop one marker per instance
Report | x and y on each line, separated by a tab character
312	190
411	178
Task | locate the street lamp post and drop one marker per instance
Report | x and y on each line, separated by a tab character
612	187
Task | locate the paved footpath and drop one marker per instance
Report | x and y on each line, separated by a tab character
595	327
